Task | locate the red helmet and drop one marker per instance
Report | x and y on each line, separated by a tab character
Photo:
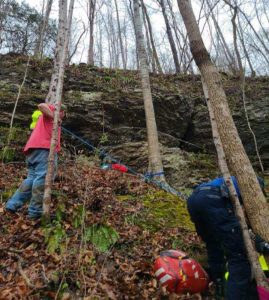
180	274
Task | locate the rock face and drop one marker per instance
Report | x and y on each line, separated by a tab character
106	107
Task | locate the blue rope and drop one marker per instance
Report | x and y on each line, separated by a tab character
148	177
151	175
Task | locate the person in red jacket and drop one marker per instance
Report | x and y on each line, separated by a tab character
37	152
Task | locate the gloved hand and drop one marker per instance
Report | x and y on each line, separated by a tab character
261	245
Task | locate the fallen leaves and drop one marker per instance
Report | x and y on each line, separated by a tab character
87	196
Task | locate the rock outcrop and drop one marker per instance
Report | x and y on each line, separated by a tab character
106	107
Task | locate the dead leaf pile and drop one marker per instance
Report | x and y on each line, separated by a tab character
82	196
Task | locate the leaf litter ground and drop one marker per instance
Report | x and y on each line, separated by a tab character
66	260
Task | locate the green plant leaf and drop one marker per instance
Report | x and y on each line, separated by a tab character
102	236
54	237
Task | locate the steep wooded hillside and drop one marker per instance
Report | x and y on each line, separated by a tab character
106	107
108	227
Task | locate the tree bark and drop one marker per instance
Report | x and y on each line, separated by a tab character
151	61
252	254
254	201
51	96
62	51
68	30
155	162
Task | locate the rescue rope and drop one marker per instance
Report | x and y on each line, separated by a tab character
148	177
151	175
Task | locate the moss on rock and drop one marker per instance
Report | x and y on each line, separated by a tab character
160	210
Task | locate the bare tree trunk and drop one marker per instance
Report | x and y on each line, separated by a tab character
254	201
151	61
120	36
131	14
242	77
239	61
114	43
176	31
230	57
63	30
101	48
68	31
3	13
170	36
233	20
241	37
154	51
91	17
155	162
62	50
125	34
51	96
126	38
39	48
252	254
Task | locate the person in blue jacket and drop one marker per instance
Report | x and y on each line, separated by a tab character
212	212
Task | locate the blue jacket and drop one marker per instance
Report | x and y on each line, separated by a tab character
219	182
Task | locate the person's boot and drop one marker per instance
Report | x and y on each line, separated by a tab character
219	289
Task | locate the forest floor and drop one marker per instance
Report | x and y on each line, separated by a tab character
107	227
106	232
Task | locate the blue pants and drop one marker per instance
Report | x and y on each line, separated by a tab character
219	228
32	188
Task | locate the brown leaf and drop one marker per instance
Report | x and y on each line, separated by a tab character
24	227
108	289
